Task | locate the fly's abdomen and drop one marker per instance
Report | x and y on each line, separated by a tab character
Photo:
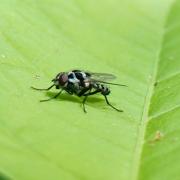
103	89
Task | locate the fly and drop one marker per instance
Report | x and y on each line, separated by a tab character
82	83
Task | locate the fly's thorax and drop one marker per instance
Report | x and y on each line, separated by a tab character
72	78
80	75
72	85
79	78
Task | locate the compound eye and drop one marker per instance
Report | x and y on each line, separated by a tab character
63	78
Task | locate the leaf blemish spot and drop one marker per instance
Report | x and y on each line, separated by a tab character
157	137
156	83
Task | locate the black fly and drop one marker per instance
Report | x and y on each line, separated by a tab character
82	83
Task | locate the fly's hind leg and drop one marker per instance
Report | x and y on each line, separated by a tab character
108	103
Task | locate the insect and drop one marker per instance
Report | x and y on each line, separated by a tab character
82	83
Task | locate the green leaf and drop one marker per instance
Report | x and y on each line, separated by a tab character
138	41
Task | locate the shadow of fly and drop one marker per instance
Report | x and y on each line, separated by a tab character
82	83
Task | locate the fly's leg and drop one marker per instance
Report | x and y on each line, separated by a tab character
91	93
86	96
83	93
84	100
108	103
46	89
52	97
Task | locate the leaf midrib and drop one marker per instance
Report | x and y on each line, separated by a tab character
135	171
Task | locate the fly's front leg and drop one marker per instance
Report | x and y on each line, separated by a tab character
52	97
46	89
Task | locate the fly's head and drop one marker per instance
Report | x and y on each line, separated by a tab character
60	80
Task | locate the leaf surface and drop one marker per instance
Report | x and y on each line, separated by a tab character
135	40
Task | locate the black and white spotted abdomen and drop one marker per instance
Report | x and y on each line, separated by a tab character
102	88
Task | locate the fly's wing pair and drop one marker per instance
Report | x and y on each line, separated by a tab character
103	78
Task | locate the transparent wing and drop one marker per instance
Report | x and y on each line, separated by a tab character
103	78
